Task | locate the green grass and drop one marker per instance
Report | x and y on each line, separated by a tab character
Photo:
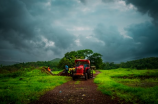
56	72
138	82
109	83
24	87
77	82
94	72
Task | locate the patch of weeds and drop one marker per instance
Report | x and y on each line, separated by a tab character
23	87
77	82
56	72
80	88
117	82
94	72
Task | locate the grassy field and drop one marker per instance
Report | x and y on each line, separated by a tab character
24	86
130	85
94	72
56	72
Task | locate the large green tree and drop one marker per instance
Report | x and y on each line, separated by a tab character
70	58
84	53
96	60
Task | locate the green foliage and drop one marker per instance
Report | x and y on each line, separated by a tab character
56	60
77	82
110	84
145	63
94	72
25	86
56	72
56	69
30	65
1	66
84	53
70	57
107	66
96	60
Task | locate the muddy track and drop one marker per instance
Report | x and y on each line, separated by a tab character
80	91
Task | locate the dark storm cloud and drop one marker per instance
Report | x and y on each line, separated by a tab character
58	35
143	42
36	30
145	35
146	6
16	24
143	6
108	1
15	16
84	1
24	23
116	47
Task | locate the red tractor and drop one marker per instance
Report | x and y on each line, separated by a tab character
82	68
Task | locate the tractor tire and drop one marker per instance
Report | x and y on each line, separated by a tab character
71	73
89	73
73	76
86	76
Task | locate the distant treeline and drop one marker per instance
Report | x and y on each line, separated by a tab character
145	63
21	66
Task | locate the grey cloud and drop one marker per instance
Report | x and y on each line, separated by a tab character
14	16
107	34
145	36
108	1
108	41
146	6
143	6
143	42
116	47
65	3
28	26
24	22
84	1
16	24
58	35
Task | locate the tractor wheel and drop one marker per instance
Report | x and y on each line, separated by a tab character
86	76
89	74
73	76
70	73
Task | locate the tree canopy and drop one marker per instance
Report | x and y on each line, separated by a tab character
70	58
96	60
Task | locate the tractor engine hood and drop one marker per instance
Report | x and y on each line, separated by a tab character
80	67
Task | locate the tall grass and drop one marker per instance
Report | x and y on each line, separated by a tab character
94	72
25	86
113	88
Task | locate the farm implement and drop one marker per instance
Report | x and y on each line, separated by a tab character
82	68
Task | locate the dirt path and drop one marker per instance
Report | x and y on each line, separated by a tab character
80	91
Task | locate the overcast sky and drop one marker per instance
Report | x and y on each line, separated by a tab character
41	30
